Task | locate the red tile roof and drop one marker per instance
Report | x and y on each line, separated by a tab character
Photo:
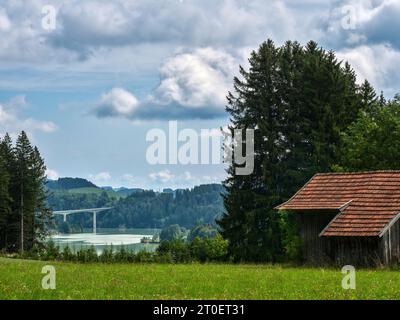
366	202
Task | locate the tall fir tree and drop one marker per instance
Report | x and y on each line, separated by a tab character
370	100
11	231
43	219
5	200
25	197
298	100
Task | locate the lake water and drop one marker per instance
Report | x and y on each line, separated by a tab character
129	238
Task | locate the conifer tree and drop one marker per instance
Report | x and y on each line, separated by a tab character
25	197
12	222
24	215
5	200
43	219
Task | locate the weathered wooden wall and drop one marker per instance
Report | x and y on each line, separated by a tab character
357	251
315	248
389	245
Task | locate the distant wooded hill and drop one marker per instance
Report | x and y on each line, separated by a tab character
135	208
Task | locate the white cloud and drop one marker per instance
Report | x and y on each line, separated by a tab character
117	102
52	174
188	176
128	178
13	121
163	176
197	22
5	23
360	22
85	28
193	85
100	177
198	79
376	64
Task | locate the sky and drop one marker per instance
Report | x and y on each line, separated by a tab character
89	79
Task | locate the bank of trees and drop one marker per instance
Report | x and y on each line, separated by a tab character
146	209
373	141
309	115
24	215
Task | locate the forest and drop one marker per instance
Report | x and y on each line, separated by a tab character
141	209
25	219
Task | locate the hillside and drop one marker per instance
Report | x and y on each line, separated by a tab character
149	209
69	183
135	208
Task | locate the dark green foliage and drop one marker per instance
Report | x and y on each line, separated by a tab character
5	201
291	240
203	231
298	100
69	183
178	250
210	249
172	233
88	255
146	209
24	215
373	141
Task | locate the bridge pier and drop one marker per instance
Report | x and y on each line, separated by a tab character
95	211
94	222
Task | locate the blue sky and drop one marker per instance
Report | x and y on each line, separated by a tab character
90	89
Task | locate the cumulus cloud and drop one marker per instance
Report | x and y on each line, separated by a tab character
84	28
193	85
128	178
197	22
100	177
52	174
117	102
360	22
375	63
13	121
163	176
98	35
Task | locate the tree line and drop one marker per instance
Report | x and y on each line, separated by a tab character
24	214
146	209
310	116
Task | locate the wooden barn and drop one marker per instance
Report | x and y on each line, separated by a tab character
349	218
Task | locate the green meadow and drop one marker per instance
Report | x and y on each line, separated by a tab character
21	279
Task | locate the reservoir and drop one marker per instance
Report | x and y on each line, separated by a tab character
130	239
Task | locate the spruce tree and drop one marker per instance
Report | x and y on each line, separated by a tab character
11	232
24	199
5	200
369	98
43	218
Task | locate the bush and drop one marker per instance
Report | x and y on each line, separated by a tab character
209	250
178	250
172	233
107	256
292	243
144	257
68	255
203	232
51	252
87	255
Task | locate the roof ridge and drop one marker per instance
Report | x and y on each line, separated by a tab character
355	172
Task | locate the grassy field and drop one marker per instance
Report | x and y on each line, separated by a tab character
21	279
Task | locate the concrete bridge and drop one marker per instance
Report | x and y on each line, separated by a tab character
95	211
